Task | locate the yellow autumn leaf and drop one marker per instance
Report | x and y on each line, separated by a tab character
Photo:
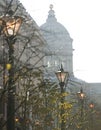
64	94
8	66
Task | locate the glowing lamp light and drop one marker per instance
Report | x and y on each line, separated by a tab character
16	119
81	94
10	25
61	75
91	105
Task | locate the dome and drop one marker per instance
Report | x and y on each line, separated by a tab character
54	32
58	49
53	26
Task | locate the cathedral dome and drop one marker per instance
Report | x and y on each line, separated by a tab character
58	49
54	32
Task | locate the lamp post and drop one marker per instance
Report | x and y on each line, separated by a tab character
10	27
91	106
81	97
62	76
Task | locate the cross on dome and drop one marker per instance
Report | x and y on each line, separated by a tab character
51	6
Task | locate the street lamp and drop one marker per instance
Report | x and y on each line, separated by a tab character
62	76
91	106
81	94
9	26
81	97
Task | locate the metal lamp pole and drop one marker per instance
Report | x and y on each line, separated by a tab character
10	27
91	105
62	75
81	96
